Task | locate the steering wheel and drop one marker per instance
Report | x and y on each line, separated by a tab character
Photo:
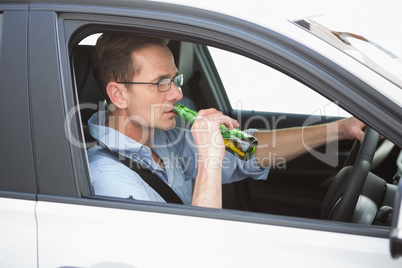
343	194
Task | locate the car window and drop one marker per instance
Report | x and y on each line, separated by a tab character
249	85
244	81
90	40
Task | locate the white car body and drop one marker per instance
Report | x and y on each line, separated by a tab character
95	232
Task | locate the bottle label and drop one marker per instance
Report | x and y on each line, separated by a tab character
229	145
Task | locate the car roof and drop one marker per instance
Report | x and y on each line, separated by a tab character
271	15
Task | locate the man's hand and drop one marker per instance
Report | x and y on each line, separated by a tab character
207	134
351	128
211	151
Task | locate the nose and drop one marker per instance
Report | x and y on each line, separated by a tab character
175	93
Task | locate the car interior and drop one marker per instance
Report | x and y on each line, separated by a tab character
305	187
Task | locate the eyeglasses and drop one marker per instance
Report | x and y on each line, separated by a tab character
163	85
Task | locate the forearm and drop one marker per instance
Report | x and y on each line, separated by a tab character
208	186
290	143
211	151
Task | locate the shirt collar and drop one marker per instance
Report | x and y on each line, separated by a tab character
112	138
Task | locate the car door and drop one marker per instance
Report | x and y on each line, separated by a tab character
75	228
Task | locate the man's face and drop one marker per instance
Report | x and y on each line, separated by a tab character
147	107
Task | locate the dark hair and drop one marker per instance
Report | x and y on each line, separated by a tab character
112	58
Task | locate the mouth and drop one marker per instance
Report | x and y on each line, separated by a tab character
170	112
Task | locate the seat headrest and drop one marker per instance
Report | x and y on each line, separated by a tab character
87	88
82	65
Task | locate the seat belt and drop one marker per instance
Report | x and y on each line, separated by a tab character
148	176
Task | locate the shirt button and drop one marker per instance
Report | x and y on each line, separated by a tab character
143	149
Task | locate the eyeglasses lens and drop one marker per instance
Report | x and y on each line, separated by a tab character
165	84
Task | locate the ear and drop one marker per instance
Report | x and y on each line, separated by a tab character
117	93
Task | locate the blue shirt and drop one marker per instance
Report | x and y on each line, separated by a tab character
175	147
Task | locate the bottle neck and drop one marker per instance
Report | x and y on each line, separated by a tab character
188	114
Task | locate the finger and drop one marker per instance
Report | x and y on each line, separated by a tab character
360	136
225	120
207	112
231	123
216	115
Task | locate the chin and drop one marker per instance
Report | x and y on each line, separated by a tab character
172	125
168	125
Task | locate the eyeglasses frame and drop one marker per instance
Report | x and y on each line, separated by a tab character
179	76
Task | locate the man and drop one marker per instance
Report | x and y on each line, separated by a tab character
139	79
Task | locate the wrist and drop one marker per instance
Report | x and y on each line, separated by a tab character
336	131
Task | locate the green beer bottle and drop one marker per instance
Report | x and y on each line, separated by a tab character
237	142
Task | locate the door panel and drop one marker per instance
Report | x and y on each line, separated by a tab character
91	236
18	233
